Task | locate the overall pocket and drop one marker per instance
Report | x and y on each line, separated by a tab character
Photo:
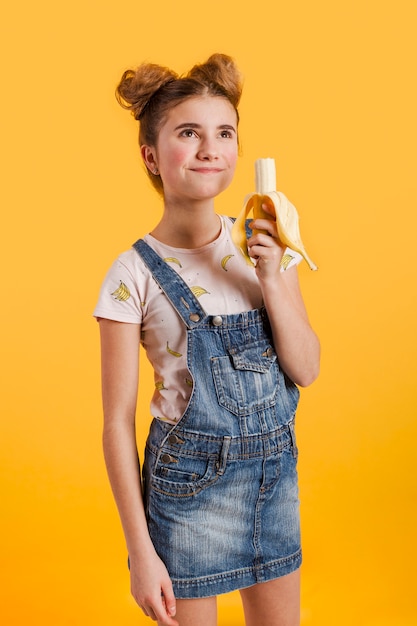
247	379
186	472
187	479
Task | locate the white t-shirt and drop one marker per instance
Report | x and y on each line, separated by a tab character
219	277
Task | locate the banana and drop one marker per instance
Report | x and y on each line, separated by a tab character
225	259
198	291
172	259
286	260
286	213
173	352
122	293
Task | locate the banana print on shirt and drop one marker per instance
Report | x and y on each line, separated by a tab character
225	260
122	293
198	291
172	259
286	260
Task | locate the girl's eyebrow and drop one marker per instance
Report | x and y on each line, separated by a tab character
197	126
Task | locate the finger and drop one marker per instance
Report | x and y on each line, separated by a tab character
264	226
271	253
265	245
269	208
163	613
169	601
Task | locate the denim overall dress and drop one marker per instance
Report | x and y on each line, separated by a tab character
220	486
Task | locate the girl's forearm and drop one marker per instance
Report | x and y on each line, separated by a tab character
122	463
296	344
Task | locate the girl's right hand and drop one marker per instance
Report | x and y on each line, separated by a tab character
151	587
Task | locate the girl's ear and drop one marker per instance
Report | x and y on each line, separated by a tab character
148	156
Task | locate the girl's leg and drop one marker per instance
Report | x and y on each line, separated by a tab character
198	612
275	603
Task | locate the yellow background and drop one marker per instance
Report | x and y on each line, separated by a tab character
330	93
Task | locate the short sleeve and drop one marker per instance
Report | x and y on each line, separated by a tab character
119	298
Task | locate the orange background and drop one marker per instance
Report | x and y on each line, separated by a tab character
330	93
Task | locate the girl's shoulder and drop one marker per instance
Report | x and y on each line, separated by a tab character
123	289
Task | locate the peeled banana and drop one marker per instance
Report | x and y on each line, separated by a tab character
286	213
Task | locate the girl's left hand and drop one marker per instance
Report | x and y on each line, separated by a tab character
265	248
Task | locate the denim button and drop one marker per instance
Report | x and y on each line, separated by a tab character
174	439
167	458
194	317
217	320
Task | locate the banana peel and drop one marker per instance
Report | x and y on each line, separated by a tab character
285	213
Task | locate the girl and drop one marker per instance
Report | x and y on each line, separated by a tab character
217	506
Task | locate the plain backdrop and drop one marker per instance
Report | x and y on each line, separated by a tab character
330	93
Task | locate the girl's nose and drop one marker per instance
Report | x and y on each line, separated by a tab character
207	150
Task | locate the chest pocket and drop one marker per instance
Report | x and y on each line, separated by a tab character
247	379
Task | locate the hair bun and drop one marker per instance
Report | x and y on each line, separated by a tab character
137	86
221	70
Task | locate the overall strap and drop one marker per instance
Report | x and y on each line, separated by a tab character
248	230
178	293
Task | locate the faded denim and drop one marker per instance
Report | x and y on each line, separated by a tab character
220	487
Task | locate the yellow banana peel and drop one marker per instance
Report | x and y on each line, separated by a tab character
285	212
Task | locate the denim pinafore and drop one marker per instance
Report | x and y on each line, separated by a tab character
220	486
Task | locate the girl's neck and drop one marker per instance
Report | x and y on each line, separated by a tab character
188	226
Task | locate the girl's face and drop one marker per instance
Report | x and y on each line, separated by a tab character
197	148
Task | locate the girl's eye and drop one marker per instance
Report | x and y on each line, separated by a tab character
188	132
226	134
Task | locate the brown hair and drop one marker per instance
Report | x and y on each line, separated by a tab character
150	91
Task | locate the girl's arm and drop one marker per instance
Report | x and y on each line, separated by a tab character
150	582
296	344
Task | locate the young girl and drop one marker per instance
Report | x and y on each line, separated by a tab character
217	507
